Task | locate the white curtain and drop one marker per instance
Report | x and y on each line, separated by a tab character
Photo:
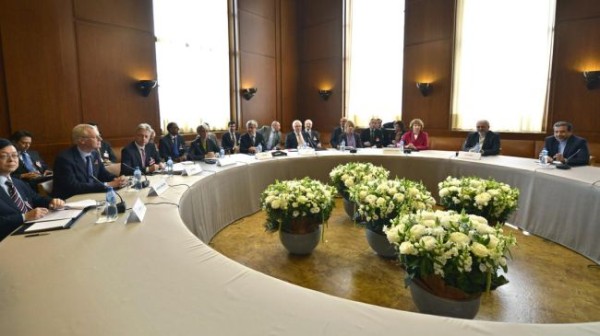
502	63
374	59
192	52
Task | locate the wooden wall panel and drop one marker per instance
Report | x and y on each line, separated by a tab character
40	64
263	8
325	114
136	14
428	20
260	72
257	34
112	60
576	9
289	70
4	117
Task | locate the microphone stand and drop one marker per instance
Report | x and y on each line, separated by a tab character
143	184
121	207
566	165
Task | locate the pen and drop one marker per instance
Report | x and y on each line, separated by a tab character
36	234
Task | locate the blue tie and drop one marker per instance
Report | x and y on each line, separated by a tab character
90	170
27	162
175	147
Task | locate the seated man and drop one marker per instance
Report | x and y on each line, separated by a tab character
297	137
203	146
372	136
313	136
272	135
18	202
106	151
140	153
565	147
172	145
230	142
251	142
32	169
483	141
337	132
79	169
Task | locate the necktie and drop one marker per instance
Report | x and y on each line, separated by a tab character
143	156
14	195
88	165
27	162
299	139
234	139
175	147
253	141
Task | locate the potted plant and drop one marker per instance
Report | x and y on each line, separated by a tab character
379	201
450	259
350	174
488	198
297	208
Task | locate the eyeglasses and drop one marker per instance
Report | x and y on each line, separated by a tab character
5	156
93	137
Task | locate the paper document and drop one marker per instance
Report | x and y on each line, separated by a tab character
80	204
57	215
41	226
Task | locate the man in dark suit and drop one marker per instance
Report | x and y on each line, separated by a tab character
18	202
140	153
32	169
372	136
203	146
565	147
106	152
314	136
172	145
272	135
483	141
337	132
251	142
230	141
297	137
79	169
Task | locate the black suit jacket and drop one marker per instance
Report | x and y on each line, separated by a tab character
491	143
197	151
10	215
227	141
315	138
70	174
246	142
335	136
574	143
105	148
344	137
377	140
130	156
37	161
292	143
165	146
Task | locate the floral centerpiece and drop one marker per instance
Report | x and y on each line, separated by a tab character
484	197
462	250
350	174
297	206
379	201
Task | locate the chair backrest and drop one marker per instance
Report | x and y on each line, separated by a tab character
45	188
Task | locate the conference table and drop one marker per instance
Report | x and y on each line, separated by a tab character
158	276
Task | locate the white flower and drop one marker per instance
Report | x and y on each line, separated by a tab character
407	248
417	231
428	243
275	204
459	238
479	250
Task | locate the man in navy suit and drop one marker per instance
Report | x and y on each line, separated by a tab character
565	147
32	168
140	153
372	136
337	133
251	141
483	141
297	136
172	145
18	202
230	141
79	169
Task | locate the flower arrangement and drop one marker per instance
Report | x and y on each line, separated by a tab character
487	198
285	201
461	249
378	201
347	175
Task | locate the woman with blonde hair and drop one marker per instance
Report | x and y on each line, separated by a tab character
416	138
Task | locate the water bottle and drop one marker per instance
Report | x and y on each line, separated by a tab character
401	145
137	178
222	153
544	157
259	148
343	145
111	205
170	167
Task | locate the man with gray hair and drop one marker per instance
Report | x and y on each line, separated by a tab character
297	137
272	135
140	153
251	142
79	169
483	140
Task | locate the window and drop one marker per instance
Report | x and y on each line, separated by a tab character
192	53
502	63
374	58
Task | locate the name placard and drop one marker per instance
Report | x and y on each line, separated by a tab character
469	155
307	151
137	212
226	161
393	151
263	155
191	170
158	188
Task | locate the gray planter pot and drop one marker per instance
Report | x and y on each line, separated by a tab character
432	304
300	244
380	244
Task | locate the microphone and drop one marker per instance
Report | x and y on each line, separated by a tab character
121	207
565	165
143	184
310	141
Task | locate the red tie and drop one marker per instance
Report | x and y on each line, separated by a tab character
143	155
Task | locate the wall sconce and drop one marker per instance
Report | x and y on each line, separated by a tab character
325	94
592	79
248	93
145	86
425	88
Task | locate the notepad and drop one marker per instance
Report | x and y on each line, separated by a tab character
50	225
80	204
57	215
